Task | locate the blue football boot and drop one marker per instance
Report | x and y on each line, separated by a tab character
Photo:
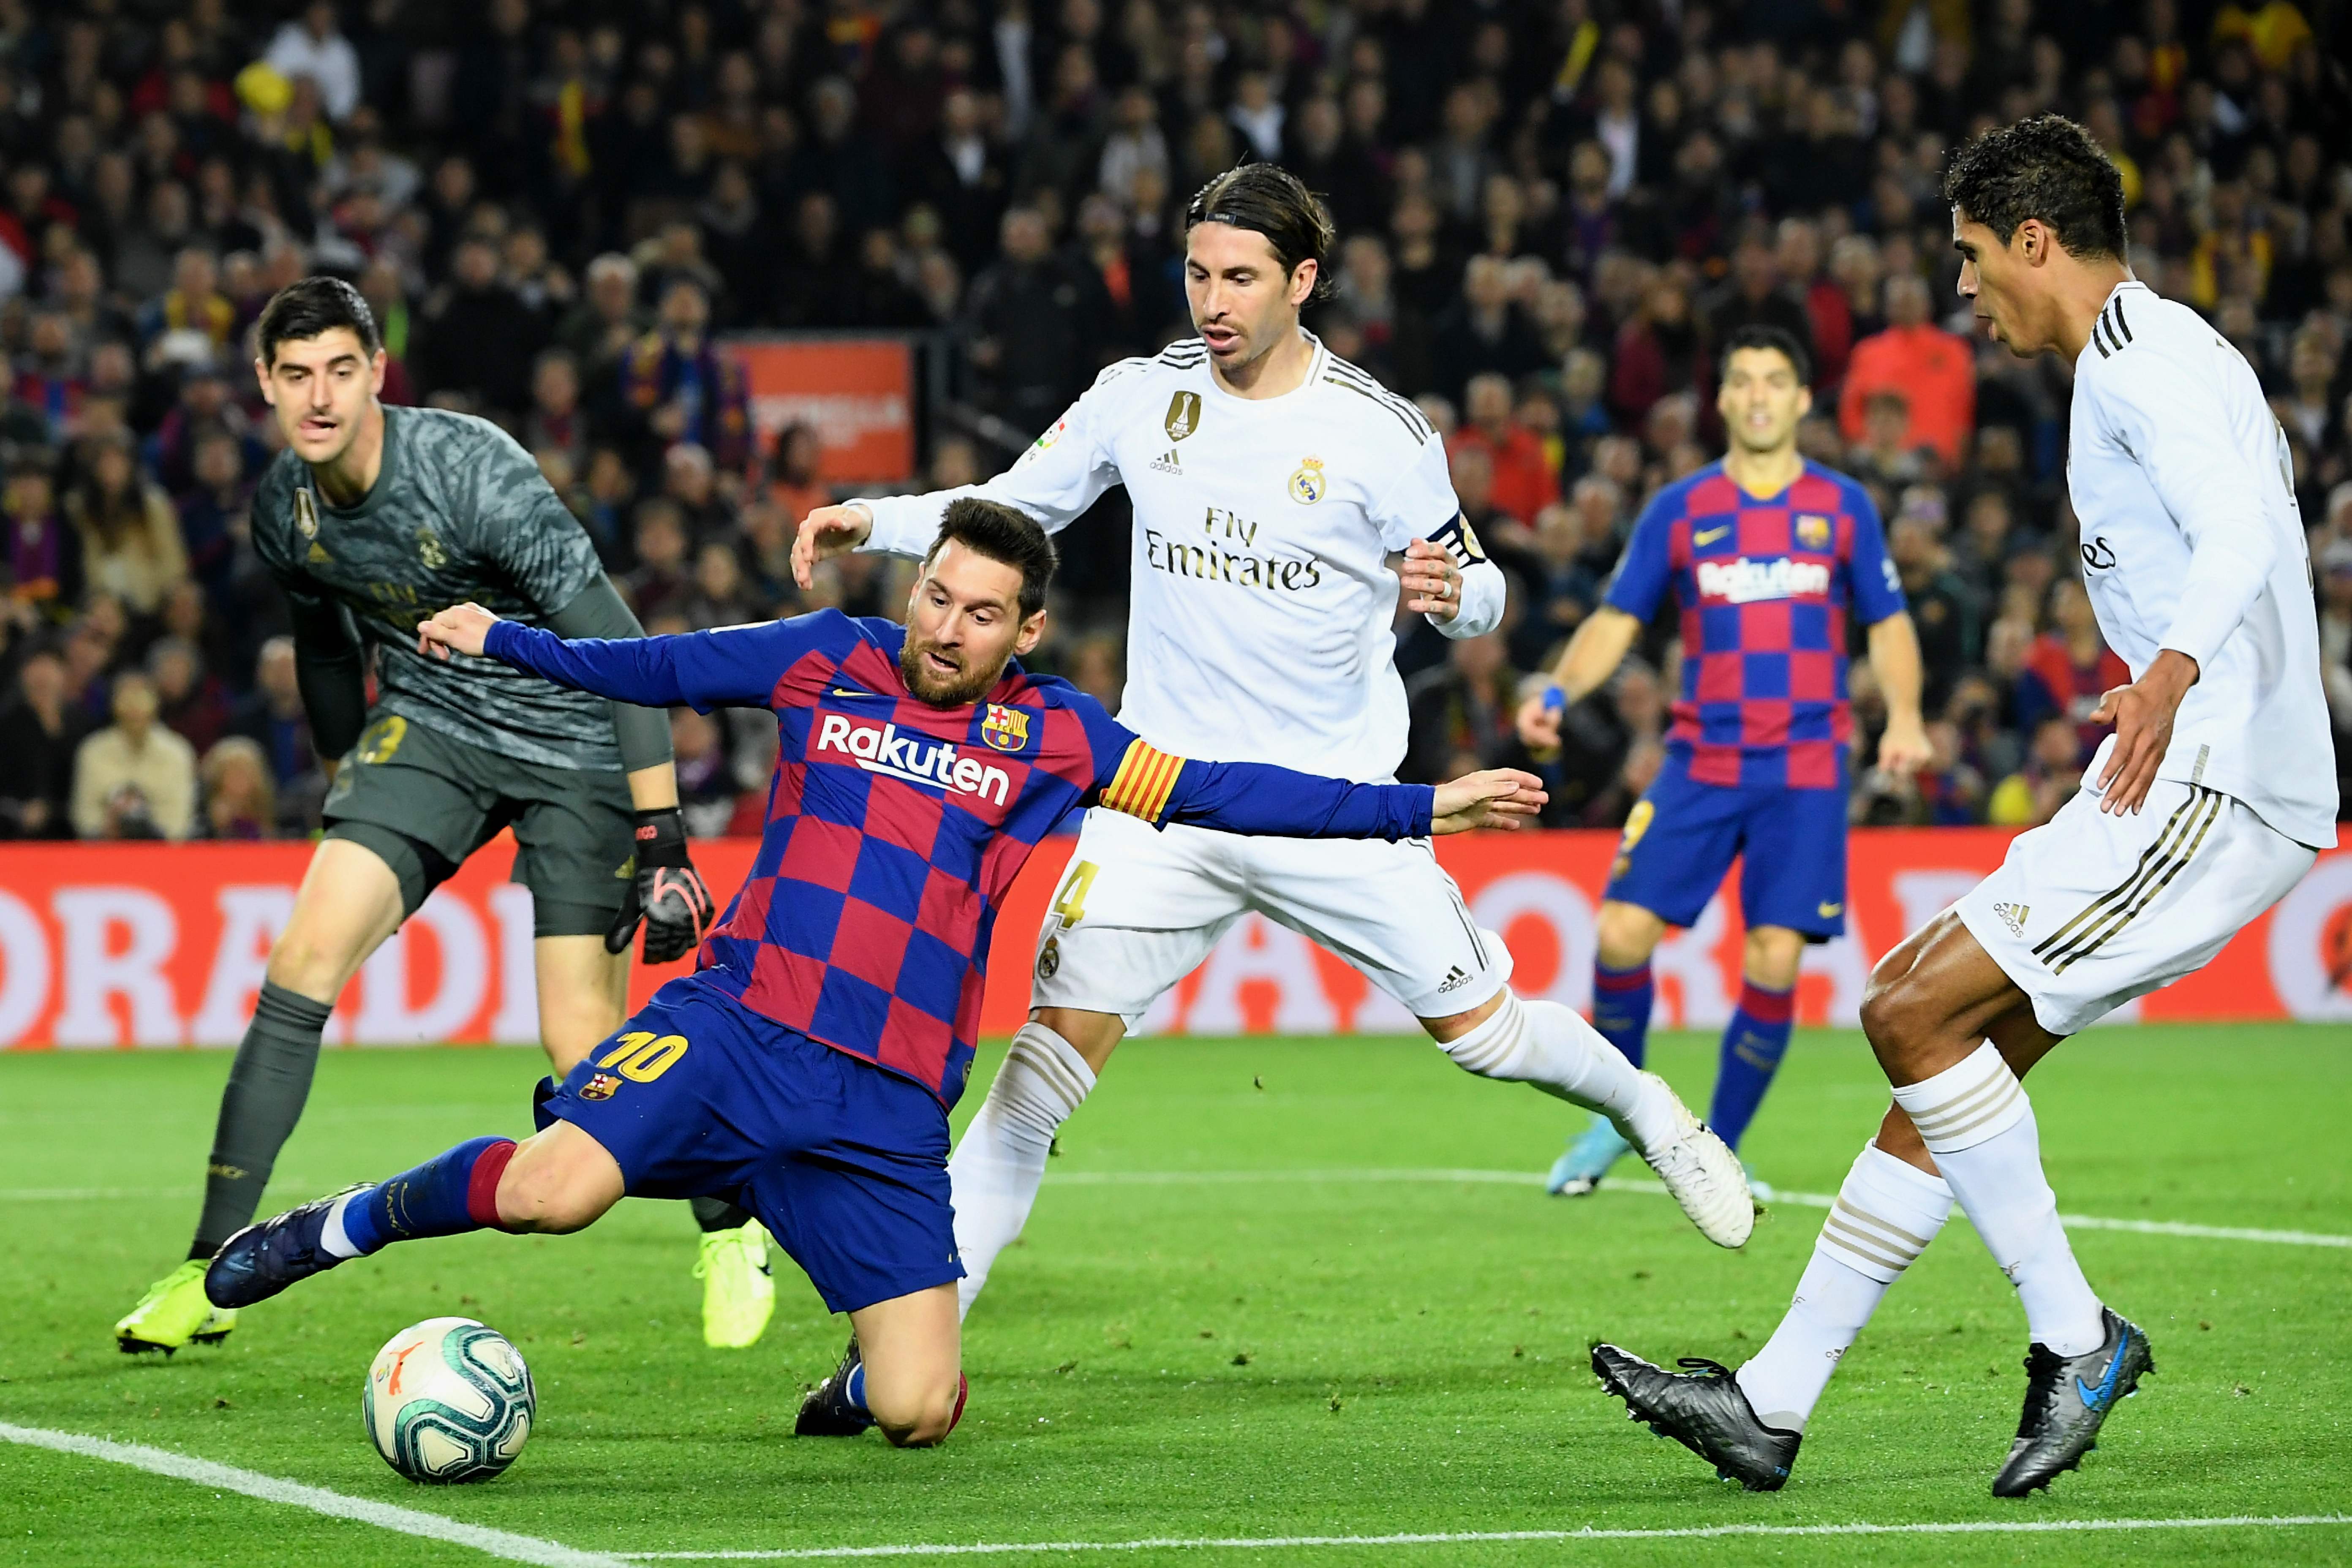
262	1260
1579	1172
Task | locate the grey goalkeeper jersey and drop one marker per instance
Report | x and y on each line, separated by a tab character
458	511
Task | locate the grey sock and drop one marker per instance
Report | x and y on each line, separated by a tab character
267	1087
718	1213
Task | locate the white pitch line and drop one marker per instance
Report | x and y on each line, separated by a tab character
1446	1538
497	1543
1648	1189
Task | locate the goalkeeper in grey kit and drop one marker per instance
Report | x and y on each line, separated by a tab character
372	519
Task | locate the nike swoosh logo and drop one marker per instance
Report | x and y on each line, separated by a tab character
1830	911
853	691
1708	536
2098	1398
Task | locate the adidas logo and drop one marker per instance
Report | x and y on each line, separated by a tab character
2012	916
1455	979
1166	463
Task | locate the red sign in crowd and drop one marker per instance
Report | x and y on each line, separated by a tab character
119	945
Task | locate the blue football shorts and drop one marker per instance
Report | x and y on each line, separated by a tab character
844	1162
1681	837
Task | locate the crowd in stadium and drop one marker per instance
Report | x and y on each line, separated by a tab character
1549	215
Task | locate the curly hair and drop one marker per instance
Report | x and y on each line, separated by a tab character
2047	168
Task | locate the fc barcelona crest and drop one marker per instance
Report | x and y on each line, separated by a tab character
1812	531
1006	729
602	1086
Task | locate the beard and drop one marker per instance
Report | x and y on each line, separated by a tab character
928	685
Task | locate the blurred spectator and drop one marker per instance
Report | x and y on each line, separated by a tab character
2052	772
659	584
192	702
1524	481
134	779
240	800
1934	370
40	734
1461	713
1943	607
45	566
1023	324
314	50
272	717
477	337
130	536
682	387
793	469
706	785
2068	671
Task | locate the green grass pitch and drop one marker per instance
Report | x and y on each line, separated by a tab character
1276	1352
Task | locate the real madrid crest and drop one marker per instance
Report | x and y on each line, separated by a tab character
306	515
1049	958
1183	415
429	551
1307	483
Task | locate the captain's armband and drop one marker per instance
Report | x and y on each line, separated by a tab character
1461	542
1145	782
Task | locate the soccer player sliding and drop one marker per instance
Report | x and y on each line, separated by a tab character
806	1068
2204	808
371	516
1285	502
1768	555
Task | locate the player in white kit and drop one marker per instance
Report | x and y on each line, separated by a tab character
2209	802
1272	484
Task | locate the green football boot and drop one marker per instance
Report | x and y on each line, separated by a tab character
173	1313
739	1292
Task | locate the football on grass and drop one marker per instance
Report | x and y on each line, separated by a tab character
448	1400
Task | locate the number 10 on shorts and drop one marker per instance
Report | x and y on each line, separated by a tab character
642	1056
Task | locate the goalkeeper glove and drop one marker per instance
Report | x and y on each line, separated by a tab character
667	893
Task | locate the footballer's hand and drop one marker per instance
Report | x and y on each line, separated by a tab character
828	532
460	628
667	893
1499	797
1433	586
1538	722
2142	714
1903	750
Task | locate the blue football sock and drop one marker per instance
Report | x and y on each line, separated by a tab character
854	1389
1753	1044
1620	1008
451	1194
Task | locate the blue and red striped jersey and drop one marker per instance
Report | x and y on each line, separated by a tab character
1765	584
895	827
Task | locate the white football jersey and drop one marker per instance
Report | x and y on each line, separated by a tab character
2191	539
1260	618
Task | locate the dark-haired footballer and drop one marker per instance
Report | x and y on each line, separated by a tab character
811	1061
372	518
1768	557
1286	505
2209	803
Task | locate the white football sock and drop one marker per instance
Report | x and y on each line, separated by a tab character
1977	1124
334	1239
1550	1046
1886	1215
997	1167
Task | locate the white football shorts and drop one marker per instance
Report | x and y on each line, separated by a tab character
1138	910
2092	910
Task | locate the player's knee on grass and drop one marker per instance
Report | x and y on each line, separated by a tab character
913	1413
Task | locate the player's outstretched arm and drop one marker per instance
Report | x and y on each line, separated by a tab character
735	665
1592	656
1262	799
